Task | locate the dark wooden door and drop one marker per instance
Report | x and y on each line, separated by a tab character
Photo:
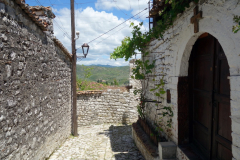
210	100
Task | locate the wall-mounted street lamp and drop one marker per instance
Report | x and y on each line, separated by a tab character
85	48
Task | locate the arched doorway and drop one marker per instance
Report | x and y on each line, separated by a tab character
209	99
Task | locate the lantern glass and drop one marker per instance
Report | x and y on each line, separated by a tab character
85	48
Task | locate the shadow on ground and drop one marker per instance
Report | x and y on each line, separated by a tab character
122	143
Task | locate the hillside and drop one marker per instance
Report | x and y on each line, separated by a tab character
107	73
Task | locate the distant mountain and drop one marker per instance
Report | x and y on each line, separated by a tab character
107	73
100	65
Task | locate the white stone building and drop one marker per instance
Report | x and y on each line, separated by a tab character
202	73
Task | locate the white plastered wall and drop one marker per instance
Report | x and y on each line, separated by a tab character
172	55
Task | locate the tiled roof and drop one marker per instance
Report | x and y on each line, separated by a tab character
48	10
32	14
60	45
42	23
44	12
89	92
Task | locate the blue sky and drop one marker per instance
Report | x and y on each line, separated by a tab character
93	18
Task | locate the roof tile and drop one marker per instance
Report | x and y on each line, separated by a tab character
42	23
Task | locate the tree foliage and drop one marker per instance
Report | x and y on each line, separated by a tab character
82	82
139	41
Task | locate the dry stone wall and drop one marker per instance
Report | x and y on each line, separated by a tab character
35	88
112	106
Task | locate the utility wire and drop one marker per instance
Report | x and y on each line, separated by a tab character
130	5
122	10
75	2
138	5
94	2
65	33
57	16
118	30
119	8
115	27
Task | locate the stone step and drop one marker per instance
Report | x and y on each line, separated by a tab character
167	150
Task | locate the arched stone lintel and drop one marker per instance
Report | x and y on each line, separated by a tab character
221	32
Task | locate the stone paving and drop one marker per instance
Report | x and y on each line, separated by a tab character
100	142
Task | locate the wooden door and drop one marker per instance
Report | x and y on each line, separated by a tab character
210	124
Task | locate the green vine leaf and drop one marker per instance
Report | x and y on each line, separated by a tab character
140	40
162	92
154	89
166	1
236	28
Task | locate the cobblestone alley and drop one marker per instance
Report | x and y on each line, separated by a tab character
100	142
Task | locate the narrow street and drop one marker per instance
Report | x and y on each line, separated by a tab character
100	142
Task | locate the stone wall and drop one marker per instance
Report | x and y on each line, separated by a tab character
135	84
173	52
112	106
35	88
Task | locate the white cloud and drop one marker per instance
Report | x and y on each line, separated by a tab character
91	24
127	5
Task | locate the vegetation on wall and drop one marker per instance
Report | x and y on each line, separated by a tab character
139	41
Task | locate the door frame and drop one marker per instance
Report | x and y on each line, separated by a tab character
185	111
